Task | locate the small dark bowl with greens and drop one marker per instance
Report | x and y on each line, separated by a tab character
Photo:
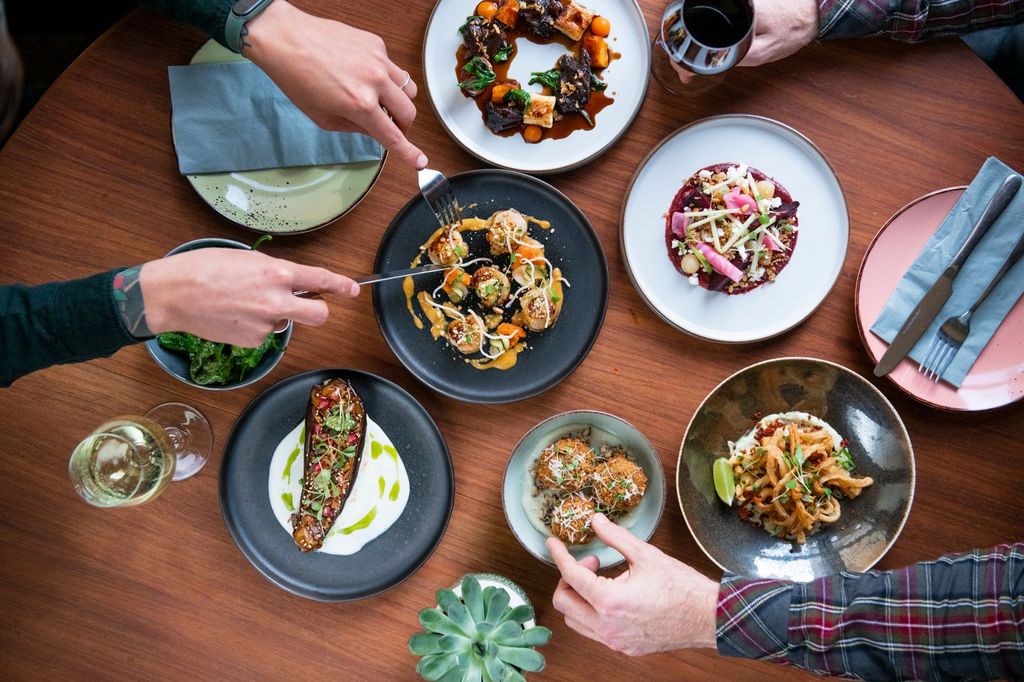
216	366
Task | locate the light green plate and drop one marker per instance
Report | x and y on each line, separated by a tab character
282	200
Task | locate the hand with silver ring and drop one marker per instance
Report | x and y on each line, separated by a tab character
339	76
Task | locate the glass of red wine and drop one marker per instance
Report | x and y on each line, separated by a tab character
699	41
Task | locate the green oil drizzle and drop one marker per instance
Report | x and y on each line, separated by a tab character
287	499
287	475
375	449
394	491
391	451
382	484
361	523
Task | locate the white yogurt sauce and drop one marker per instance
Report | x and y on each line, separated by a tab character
377	500
748	441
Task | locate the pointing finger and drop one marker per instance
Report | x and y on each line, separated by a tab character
618	538
321	280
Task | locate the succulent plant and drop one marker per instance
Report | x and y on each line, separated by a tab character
477	637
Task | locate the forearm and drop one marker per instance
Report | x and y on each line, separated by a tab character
960	616
206	15
58	323
913	20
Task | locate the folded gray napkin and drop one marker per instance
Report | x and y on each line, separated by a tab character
977	272
231	117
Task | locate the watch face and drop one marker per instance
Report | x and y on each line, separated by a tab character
243	7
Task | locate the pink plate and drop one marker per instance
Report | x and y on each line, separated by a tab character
997	378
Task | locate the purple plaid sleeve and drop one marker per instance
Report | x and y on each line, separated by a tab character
959	617
913	20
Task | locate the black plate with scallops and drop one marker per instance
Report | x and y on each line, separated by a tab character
383	562
570	244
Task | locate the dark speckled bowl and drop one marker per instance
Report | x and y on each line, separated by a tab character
879	444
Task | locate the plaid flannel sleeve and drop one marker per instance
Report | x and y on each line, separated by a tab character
958	617
913	20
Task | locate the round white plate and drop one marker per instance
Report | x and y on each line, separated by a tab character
776	307
626	77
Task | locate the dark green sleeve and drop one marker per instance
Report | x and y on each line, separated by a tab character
57	323
206	15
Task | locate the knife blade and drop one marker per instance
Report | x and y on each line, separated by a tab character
397	274
931	303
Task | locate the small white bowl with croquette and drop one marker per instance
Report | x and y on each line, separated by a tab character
573	465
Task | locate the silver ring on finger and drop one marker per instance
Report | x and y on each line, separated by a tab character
408	79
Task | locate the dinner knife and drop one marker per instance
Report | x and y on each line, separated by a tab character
398	274
931	303
421	270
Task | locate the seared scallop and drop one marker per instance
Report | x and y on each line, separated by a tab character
619	483
566	465
506	228
466	333
539	309
571	517
491	286
528	264
448	247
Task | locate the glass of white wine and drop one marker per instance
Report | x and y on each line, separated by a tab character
130	459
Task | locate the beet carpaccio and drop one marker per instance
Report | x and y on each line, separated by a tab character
731	228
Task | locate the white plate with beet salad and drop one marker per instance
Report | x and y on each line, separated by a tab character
731	217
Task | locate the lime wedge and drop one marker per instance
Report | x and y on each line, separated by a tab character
725	484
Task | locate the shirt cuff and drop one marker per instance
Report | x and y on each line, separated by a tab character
753	618
839	19
84	310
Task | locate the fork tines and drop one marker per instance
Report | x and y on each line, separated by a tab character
450	208
937	358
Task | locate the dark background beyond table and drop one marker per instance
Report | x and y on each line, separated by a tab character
50	35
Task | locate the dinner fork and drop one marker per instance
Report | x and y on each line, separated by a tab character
435	189
951	335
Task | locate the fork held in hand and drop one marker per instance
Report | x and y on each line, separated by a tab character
435	189
954	331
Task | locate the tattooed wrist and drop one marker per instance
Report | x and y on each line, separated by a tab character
127	293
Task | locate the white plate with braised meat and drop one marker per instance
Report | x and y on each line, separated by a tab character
734	229
541	86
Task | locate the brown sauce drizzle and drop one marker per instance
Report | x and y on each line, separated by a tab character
564	126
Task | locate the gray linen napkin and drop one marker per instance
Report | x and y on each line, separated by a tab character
977	272
231	117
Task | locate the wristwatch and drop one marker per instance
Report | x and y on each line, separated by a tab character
242	12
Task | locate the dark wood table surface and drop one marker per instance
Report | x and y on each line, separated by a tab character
90	182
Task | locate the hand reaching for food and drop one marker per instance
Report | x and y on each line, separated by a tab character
234	296
658	604
339	76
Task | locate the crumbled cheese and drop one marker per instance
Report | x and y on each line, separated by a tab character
736	173
675	243
776	202
694	280
704	174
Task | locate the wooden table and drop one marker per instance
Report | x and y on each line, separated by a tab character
90	182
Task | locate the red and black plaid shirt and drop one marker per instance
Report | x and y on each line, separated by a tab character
958	617
913	20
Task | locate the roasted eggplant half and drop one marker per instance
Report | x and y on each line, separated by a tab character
335	432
